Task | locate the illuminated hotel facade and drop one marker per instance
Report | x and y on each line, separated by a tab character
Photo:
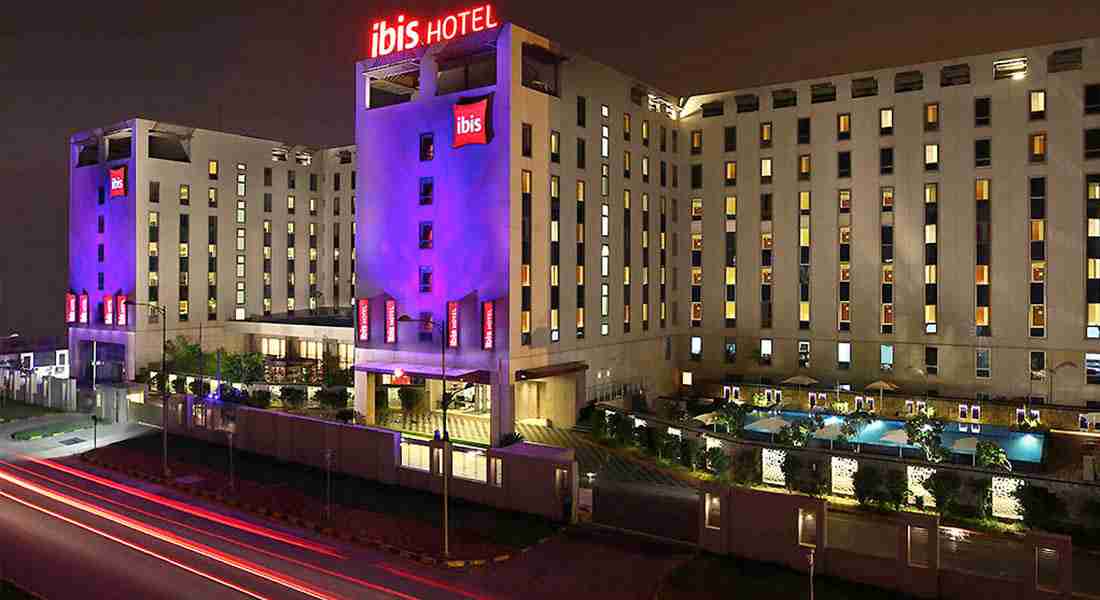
574	233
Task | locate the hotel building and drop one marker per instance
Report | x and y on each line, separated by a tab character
566	232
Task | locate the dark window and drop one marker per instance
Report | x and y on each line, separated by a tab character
100	281
291	180
267	202
844	164
983	153
696	176
1092	99
822	92
427	190
955	75
1067	59
425	234
864	87
931	360
804	130
527	135
425	280
427	146
1092	143
267	176
746	103
582	108
765	207
101	197
983	112
336	182
100	227
714	109
886	161
784	98
313	181
908	81
731	139
580	153
154	192
99	253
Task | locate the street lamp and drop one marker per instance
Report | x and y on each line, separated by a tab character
445	402
162	379
11	367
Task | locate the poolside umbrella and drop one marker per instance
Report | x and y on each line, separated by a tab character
967	445
829	432
896	436
770	425
881	386
709	418
800	380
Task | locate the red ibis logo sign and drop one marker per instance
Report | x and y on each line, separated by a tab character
118	181
404	33
471	122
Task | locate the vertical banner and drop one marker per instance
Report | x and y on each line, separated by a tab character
120	309
108	310
487	325
364	320
391	321
70	307
117	178
84	307
452	324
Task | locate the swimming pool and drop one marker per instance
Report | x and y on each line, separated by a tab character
1020	446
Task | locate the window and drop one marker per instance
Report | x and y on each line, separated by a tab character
731	172
765	170
730	139
844	355
983	153
426	235
1092	143
844	202
697	176
580	153
766	135
427	147
803	354
696	347
932	116
766	351
714	109
697	142
425	279
555	146
526	143
645	135
983	112
605	141
290	205
844	126
886	121
714	511
886	357
931	360
1092	99
1037	148
804	167
844	164
427	189
154	192
1037	105
240	239
822	92
931	157
804	130
1092	368
981	363
886	161
1010	68
730	350
415	456
212	169
185	195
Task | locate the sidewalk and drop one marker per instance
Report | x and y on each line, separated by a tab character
401	517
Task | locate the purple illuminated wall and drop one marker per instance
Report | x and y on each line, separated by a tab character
470	213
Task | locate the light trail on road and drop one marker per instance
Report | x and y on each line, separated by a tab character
134	546
193	510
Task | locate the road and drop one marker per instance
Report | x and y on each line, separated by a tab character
69	534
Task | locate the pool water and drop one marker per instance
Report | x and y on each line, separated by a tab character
1020	446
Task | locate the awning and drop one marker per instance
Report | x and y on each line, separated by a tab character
551	370
426	371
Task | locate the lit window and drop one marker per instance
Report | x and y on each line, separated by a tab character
1037	104
1037	147
843	126
212	169
765	135
931	157
886	121
931	116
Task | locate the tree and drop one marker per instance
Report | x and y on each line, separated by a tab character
991	456
926	432
867	483
669	447
945	487
734	417
345	415
895	489
980	488
599	424
718	462
1039	506
854	424
511	438
332	374
260	399
409	397
792	471
745	469
798	432
293	398
183	355
691	453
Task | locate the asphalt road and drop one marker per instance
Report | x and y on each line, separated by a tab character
67	536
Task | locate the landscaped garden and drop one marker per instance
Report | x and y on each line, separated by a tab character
11	410
51	429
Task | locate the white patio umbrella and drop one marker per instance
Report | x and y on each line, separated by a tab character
829	432
799	381
881	386
709	418
967	445
770	425
896	436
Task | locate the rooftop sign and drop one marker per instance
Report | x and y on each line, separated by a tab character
404	33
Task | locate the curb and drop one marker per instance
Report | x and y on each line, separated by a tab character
363	538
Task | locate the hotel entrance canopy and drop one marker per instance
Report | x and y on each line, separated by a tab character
426	371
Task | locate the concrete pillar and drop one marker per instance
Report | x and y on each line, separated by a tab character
364	395
503	416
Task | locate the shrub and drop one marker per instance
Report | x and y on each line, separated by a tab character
734	417
718	462
745	469
336	398
195	388
599	424
926	431
409	397
345	415
671	447
1040	506
691	453
510	438
587	412
260	399
622	428
980	489
293	398
646	439
945	487
895	489
792	471
867	483
991	456
672	410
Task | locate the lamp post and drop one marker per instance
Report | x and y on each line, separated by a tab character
11	368
162	379
1054	373
445	403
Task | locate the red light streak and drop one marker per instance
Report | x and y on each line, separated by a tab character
257	549
133	546
192	510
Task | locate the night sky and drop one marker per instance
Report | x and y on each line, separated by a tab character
286	73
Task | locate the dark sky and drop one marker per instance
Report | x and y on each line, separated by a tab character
285	71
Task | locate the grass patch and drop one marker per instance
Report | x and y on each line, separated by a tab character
50	430
15	411
709	576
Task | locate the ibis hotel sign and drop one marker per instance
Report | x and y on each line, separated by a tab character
405	33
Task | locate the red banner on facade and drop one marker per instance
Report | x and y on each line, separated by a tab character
120	308
84	307
487	328
364	320
452	324
108	310
391	321
118	181
70	307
